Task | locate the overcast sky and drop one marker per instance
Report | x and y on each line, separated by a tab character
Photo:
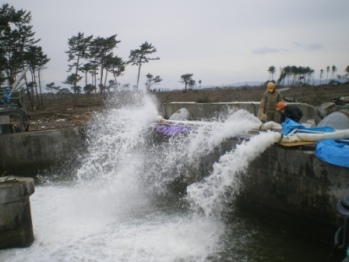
218	41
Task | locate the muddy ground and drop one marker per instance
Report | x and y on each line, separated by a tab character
59	112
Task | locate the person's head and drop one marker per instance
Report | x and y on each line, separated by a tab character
271	87
280	106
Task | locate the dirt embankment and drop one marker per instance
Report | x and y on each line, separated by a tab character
59	112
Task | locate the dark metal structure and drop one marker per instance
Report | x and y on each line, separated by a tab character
13	114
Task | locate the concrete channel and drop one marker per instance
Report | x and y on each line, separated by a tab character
289	184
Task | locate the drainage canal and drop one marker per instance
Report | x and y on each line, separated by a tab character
124	202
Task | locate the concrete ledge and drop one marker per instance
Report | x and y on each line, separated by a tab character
26	153
16	229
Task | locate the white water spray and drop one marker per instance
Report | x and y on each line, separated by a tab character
210	194
110	215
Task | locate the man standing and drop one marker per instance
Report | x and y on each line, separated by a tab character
268	103
292	112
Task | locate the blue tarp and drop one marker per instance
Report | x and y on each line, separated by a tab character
289	125
333	152
328	150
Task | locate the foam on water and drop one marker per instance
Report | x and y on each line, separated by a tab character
111	212
71	226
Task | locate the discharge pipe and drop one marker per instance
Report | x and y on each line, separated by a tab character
313	137
258	127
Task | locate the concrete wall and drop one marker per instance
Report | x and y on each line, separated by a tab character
296	181
24	154
297	188
16	229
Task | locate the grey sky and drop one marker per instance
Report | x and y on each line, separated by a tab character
219	41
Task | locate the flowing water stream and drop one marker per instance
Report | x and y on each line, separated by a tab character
117	206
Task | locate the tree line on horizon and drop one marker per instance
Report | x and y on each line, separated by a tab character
89	57
298	74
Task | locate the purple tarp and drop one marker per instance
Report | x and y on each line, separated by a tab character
171	130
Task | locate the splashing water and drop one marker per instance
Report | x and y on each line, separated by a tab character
117	209
115	163
209	194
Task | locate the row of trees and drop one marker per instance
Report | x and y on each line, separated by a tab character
299	74
334	70
89	55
